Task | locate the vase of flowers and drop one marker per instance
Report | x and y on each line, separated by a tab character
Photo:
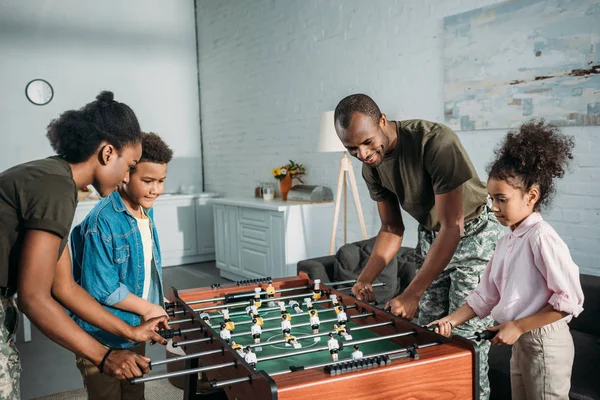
286	174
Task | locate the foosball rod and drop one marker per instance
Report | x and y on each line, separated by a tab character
279	317
186	342
323	365
245	303
265	344
242	295
274	357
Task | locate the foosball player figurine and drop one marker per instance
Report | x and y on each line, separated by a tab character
284	311
341	330
357	354
314	322
309	304
317	290
333	346
296	306
250	357
334	300
256	331
271	294
340	310
257	300
286	325
254	315
205	317
237	347
225	333
228	322
291	340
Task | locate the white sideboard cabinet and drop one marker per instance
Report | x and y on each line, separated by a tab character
184	224
256	238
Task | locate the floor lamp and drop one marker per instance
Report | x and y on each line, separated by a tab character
329	142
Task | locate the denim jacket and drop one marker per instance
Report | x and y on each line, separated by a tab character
108	262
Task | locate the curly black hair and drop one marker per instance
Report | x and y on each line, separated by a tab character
360	103
534	154
77	134
154	149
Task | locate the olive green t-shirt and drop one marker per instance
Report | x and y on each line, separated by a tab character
428	160
39	195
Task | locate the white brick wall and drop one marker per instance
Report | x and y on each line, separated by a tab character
268	68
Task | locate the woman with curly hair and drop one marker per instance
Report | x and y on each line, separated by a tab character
531	286
96	145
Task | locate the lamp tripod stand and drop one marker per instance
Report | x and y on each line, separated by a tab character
346	168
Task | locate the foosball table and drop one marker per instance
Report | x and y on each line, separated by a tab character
292	338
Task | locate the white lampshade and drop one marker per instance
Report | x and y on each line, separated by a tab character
329	141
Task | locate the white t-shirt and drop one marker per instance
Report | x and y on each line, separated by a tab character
144	227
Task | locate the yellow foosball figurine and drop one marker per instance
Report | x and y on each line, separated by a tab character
271	294
284	311
229	325
317	290
237	347
257	300
291	340
342	331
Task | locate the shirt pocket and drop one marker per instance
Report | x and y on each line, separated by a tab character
121	254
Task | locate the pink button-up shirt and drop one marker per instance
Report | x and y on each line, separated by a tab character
530	268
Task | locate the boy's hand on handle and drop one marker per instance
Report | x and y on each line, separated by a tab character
508	333
148	330
125	364
444	326
405	305
363	291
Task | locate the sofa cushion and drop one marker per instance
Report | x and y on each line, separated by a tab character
352	257
589	320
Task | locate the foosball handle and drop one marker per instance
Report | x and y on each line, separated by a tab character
388	309
169	333
485	335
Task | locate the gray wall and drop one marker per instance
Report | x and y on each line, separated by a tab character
142	50
268	68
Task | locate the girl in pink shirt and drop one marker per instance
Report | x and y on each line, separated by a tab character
531	285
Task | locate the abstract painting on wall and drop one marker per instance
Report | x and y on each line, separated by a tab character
516	60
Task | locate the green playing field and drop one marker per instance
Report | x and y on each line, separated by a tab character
241	335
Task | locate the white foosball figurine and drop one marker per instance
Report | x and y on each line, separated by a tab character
356	354
225	333
317	290
296	306
270	294
341	314
257	300
205	317
314	322
286	325
284	311
309	304
334	300
341	330
334	347
250	357
256	331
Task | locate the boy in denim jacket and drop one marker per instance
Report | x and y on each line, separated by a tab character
116	258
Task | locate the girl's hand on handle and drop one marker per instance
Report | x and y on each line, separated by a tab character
444	326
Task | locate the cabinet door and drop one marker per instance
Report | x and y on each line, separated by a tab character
176	225
220	224
255	260
205	228
233	242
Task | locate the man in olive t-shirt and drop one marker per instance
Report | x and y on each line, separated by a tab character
422	167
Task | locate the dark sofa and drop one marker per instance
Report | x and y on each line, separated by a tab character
585	381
